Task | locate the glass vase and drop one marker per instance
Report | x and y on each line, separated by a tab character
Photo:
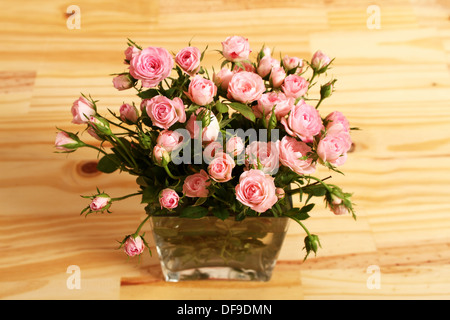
211	248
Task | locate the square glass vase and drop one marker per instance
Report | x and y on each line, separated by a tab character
211	248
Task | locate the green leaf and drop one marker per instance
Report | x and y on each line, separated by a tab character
200	201
300	213
150	194
109	163
148	94
194	212
316	190
243	109
221	107
221	213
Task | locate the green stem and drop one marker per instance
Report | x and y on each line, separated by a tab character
94	147
126	151
301	224
312	78
170	173
120	126
318	104
215	197
321	182
127	196
140	227
121	153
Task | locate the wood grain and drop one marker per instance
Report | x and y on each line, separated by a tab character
393	82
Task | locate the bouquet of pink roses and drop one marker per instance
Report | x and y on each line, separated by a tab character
238	143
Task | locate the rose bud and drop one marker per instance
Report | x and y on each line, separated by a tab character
82	109
189	60
168	198
327	89
312	243
292	63
161	156
277	76
93	134
169	140
280	193
100	203
67	142
236	48
130	52
100	125
145	141
222	78
123	82
134	246
128	113
320	62
339	209
266	64
210	132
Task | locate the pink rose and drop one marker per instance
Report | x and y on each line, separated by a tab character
168	198
320	61
93	134
277	76
333	147
246	87
280	193
201	91
303	121
272	99
256	190
64	142
134	246
247	67
82	110
339	209
336	121
122	82
130	52
151	66
169	140
294	86
266	64
292	62
189	60
291	153
196	185
128	113
209	133
211	150
235	146
222	78
100	202
236	48
160	156
221	167
262	155
165	112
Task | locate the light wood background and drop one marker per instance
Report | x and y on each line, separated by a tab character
393	82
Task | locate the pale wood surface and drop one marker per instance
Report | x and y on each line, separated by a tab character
393	82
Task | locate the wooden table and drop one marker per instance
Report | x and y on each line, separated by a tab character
393	82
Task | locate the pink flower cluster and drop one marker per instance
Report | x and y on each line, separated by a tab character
268	94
